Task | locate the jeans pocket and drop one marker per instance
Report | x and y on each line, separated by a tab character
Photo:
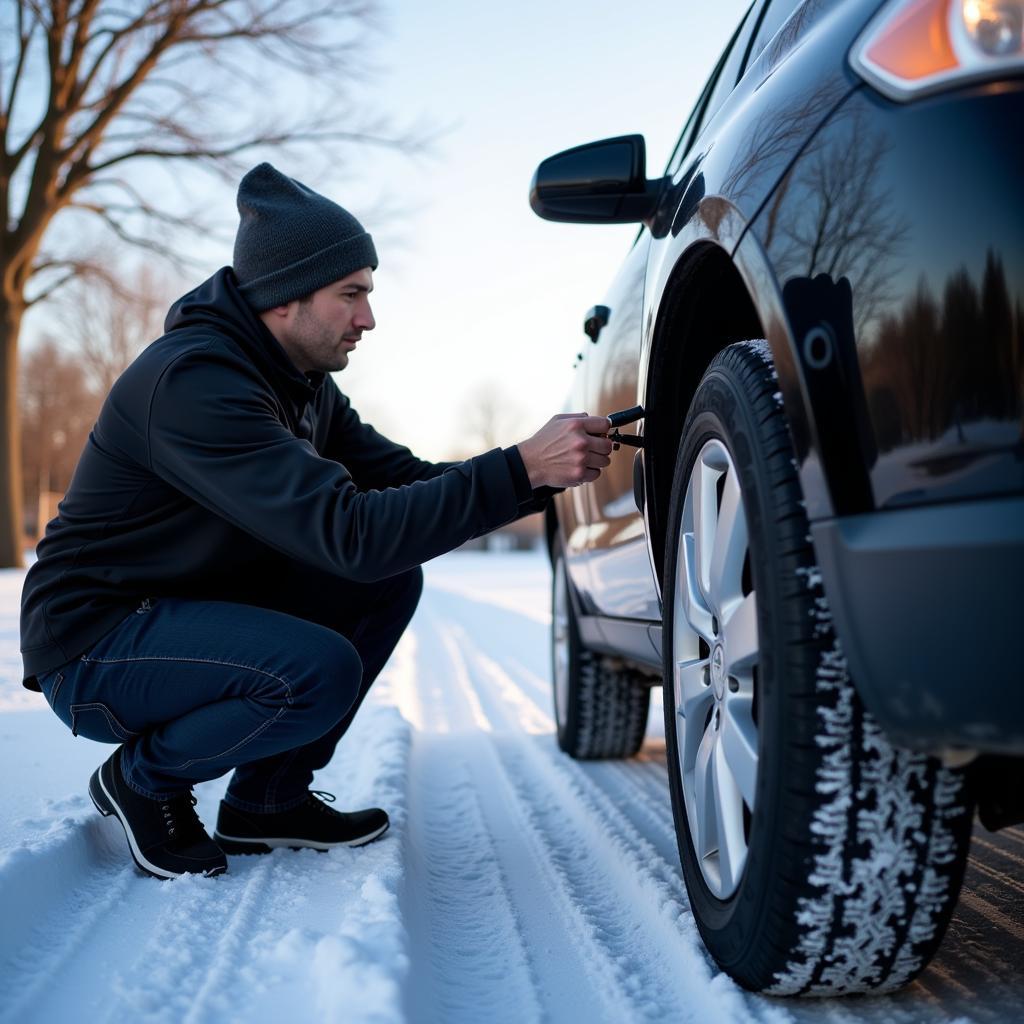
95	721
50	684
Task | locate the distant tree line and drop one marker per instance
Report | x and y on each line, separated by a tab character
102	325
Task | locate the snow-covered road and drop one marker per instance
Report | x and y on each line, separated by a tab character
514	885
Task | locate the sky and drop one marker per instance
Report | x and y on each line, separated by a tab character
478	292
474	293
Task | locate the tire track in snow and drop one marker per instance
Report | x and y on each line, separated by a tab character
39	943
502	956
521	686
629	914
197	926
648	810
464	930
650	815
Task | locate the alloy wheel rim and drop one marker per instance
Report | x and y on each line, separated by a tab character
560	641
715	651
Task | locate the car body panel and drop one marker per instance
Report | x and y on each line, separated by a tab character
926	600
619	565
937	283
710	197
885	264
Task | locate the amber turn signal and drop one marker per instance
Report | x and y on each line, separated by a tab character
915	47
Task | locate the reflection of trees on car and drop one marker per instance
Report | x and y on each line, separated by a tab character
846	224
922	380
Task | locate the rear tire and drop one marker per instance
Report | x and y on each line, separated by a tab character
601	704
819	859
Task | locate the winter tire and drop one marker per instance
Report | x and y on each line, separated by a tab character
819	859
601	704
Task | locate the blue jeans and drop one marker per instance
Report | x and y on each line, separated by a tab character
265	683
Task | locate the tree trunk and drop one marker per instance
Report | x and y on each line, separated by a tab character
11	511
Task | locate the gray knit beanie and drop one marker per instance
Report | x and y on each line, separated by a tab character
292	241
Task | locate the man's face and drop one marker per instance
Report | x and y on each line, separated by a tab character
318	332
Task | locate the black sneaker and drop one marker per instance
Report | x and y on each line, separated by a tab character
166	837
312	824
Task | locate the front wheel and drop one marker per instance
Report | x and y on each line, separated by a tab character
819	859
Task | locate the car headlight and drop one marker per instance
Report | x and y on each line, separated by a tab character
915	47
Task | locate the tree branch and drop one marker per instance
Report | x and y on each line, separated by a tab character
268	139
118	96
151	15
48	292
181	263
25	37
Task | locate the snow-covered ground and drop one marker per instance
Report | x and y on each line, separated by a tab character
515	884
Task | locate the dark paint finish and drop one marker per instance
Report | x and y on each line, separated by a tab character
910	590
734	148
878	198
881	251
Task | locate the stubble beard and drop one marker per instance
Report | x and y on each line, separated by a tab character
318	343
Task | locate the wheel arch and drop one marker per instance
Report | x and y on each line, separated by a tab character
704	307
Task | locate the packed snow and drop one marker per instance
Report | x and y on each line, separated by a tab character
514	885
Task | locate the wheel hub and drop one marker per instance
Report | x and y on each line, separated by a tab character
718	672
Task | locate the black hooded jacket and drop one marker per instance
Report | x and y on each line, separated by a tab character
212	454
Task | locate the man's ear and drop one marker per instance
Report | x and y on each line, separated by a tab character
277	312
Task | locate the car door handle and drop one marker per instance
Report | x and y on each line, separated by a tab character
595	320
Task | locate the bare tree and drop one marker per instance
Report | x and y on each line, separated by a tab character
109	323
92	89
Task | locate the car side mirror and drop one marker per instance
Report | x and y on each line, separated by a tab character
598	183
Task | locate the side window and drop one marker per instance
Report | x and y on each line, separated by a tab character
732	66
711	87
685	138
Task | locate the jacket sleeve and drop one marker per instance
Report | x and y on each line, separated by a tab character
375	461
214	435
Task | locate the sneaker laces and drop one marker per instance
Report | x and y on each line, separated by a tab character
180	818
319	804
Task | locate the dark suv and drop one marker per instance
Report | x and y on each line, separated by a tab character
819	544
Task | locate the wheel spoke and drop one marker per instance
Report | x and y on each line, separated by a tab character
730	547
741	643
703	481
739	746
692	694
692	605
706	839
732	846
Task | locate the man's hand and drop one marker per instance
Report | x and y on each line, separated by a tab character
570	449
